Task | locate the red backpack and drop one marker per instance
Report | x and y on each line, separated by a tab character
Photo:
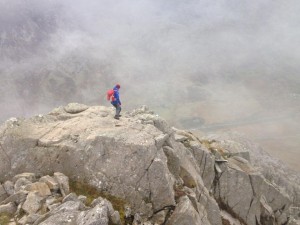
110	95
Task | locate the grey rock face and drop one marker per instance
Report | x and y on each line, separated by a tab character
97	215
294	222
3	193
185	214
9	187
75	108
82	199
32	203
61	218
63	182
160	217
165	174
173	161
70	197
206	162
17	198
240	189
51	182
235	192
28	176
161	183
21	183
272	169
41	188
9	208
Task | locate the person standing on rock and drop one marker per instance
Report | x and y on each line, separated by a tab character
115	101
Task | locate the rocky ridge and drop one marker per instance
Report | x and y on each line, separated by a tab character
167	176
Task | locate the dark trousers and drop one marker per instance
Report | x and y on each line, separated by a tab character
118	109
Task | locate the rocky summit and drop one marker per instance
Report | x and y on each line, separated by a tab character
164	176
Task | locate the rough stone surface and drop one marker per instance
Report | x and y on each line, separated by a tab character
75	108
9	208
3	193
240	188
65	213
228	219
21	183
160	217
161	195
17	198
32	218
28	176
51	182
180	138
140	159
41	188
206	162
82	198
97	215
294	222
70	197
185	214
32	203
273	169
9	187
63	182
61	218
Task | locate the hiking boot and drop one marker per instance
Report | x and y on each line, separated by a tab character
116	117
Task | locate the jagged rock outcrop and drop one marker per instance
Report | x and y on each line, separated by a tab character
166	175
272	169
37	202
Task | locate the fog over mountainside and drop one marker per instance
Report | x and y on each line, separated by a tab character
207	66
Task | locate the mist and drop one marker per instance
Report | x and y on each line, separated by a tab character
204	66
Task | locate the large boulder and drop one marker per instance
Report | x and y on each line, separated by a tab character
75	108
185	214
32	203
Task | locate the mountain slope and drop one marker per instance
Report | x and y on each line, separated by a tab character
166	174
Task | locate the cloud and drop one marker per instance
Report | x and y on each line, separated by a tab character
219	61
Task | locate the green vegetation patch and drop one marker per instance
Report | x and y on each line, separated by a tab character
5	218
92	193
215	148
206	143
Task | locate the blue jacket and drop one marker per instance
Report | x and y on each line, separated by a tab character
116	97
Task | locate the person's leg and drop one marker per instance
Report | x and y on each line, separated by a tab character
116	106
118	110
